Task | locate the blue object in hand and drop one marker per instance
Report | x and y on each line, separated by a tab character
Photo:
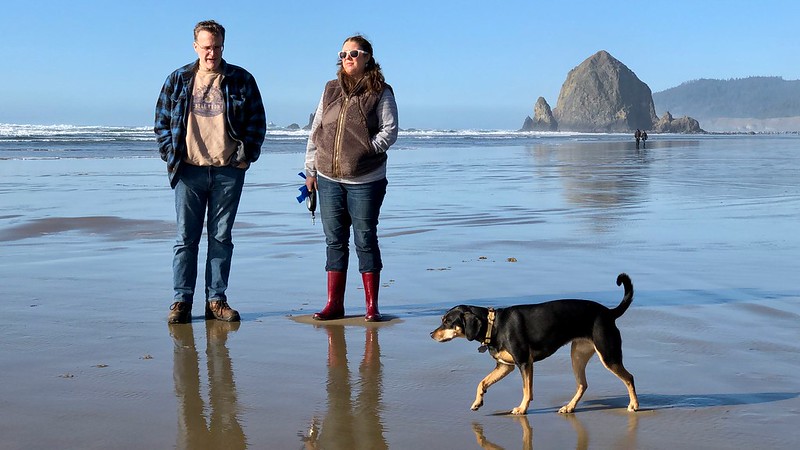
309	196
303	190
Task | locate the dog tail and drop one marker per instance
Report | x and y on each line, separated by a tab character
627	299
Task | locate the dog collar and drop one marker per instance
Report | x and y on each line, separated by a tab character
488	339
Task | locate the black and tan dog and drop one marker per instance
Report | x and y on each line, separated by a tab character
523	334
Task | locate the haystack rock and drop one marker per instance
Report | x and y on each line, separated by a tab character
603	95
543	119
667	124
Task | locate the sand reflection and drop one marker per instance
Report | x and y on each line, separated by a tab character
199	427
350	422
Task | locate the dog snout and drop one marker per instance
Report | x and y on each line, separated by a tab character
442	334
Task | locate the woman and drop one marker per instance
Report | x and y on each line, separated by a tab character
353	127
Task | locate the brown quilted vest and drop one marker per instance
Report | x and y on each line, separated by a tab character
344	134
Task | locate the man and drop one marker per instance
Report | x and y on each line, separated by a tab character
210	124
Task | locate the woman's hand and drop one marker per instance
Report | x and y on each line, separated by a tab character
311	183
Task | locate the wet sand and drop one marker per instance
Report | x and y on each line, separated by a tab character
706	228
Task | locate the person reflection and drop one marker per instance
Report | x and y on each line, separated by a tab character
349	423
185	372
222	430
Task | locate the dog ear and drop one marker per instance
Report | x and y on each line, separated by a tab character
472	326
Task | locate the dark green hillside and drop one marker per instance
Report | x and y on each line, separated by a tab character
753	97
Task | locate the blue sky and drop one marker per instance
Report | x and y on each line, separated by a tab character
453	64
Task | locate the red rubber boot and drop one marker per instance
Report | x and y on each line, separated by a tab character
334	309
372	282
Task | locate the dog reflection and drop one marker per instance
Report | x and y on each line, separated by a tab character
222	429
350	423
485	444
527	434
625	440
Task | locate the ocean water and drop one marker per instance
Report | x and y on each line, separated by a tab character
69	141
715	216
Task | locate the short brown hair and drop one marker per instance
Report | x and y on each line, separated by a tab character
210	26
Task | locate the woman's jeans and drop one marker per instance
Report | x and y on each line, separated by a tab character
342	205
214	191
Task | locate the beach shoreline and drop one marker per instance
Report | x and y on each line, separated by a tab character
706	231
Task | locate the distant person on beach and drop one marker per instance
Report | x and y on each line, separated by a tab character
644	139
637	136
210	124
354	125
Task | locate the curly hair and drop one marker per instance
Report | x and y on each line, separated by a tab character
373	77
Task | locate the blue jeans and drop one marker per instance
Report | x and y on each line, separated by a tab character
212	193
342	206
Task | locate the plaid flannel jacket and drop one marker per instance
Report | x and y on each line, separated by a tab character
246	119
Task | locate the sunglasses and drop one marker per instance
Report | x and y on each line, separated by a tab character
352	53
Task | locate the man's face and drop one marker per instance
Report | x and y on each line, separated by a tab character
209	49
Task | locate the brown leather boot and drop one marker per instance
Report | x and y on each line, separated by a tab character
220	310
180	312
334	309
372	281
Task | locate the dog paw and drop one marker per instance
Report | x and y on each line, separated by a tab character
476	406
518	411
566	410
633	408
